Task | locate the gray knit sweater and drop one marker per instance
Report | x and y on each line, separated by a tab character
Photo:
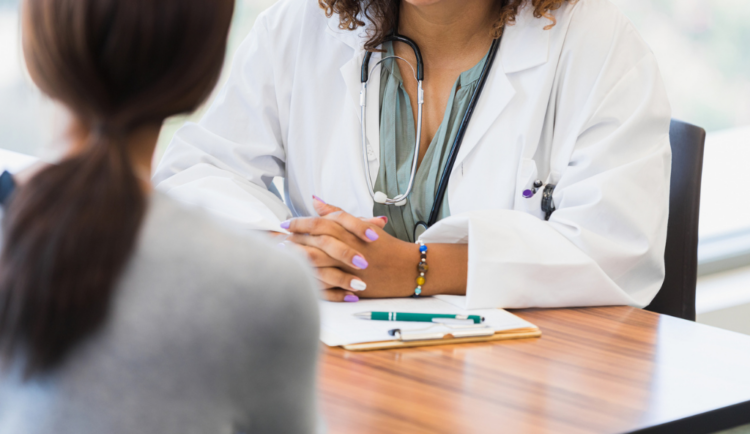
210	332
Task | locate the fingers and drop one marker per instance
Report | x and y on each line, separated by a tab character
322	208
378	221
338	295
333	247
317	257
362	229
335	224
315	226
332	277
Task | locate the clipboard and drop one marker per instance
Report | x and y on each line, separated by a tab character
341	328
502	335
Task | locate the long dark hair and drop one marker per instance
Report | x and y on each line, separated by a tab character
118	66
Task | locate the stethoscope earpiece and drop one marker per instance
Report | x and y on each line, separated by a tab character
380	197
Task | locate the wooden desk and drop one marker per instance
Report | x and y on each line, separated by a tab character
594	370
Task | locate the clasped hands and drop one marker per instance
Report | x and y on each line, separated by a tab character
354	257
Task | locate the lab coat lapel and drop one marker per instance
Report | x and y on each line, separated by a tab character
351	73
525	45
497	93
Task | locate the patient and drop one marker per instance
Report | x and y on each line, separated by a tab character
120	310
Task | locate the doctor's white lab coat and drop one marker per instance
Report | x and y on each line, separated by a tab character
581	105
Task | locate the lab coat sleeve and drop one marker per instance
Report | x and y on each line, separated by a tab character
226	163
605	243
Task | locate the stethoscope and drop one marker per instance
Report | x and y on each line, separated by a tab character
400	200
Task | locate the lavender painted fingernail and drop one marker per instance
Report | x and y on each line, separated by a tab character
285	225
359	262
371	235
319	199
528	194
282	245
351	298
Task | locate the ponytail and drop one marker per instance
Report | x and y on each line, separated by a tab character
68	234
69	231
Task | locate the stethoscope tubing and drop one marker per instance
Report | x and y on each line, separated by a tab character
458	140
456	146
395	38
401	198
380	197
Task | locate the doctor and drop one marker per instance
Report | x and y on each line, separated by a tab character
564	101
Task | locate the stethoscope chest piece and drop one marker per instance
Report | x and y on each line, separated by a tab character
419	229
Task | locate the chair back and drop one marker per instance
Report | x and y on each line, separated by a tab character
677	294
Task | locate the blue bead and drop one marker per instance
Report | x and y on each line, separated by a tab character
418	291
423	248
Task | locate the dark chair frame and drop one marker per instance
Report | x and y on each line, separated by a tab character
677	295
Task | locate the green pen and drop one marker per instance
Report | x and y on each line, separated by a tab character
422	317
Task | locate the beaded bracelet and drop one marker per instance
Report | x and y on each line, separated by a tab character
421	268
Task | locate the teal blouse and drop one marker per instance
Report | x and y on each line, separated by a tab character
397	136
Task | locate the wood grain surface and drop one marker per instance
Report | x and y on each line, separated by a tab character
594	370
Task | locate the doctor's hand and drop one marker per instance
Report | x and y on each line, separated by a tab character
327	242
342	248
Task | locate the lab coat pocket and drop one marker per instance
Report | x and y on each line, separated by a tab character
527	175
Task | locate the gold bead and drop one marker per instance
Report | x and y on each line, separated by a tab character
420	280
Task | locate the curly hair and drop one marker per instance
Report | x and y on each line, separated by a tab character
384	15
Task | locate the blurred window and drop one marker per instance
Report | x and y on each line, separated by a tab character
28	121
24	115
702	50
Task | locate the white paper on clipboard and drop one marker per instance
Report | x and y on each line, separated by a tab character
339	326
